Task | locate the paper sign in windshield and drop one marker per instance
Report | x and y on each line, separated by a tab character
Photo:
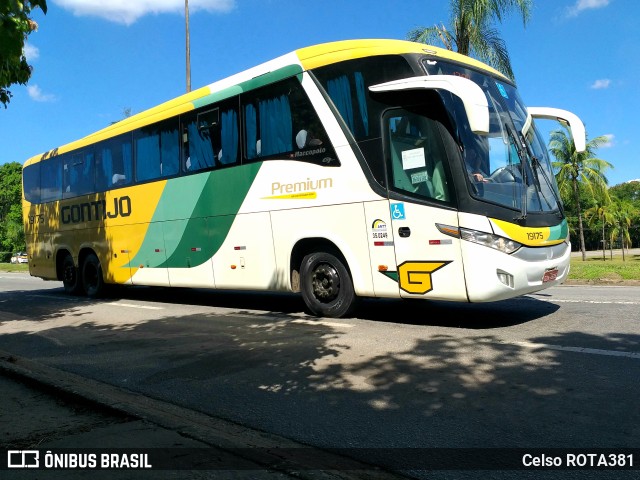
413	159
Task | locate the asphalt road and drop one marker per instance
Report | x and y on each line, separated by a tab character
558	369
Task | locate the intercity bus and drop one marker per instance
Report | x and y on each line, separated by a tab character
364	168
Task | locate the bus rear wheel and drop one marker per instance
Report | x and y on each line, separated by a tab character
327	288
71	276
92	280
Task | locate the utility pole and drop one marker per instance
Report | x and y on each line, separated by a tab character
186	14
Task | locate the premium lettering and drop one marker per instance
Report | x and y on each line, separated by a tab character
305	186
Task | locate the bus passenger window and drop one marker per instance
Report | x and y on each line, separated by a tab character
114	167
210	138
416	156
281	120
157	151
50	180
31	182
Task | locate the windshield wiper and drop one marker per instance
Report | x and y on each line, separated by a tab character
522	154
538	167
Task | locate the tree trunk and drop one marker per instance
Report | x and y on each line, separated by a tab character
604	241
580	228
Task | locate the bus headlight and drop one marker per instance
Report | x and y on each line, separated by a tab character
502	244
496	242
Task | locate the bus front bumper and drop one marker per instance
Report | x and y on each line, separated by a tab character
492	275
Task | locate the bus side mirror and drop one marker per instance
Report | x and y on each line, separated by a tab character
473	98
564	117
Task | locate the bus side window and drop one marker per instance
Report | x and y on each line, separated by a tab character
31	182
268	124
280	119
210	138
157	151
51	179
79	173
114	166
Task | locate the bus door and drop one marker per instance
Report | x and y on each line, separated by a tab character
429	263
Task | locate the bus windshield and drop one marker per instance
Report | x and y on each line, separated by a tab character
503	167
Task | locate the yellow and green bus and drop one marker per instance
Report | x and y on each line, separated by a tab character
363	168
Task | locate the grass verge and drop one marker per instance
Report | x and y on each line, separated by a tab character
609	270
10	267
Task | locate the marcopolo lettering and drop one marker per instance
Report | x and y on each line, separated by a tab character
97	210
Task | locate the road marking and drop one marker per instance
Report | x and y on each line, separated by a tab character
323	323
62	298
597	302
589	351
131	305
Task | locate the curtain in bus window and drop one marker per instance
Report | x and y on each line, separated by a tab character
51	179
104	179
251	131
87	181
200	149
127	162
229	137
170	151
362	102
276	130
148	157
340	92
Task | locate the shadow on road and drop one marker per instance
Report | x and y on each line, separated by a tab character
320	383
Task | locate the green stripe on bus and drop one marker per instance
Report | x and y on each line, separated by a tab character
257	82
559	231
210	200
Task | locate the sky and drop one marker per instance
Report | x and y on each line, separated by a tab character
94	59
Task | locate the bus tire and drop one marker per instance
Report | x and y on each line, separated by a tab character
92	280
327	288
71	276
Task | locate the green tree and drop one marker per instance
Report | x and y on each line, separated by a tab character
630	192
601	214
11	226
472	30
15	26
623	215
579	170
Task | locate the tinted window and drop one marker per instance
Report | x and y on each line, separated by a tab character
210	137
114	166
31	182
157	151
280	119
79	173
50	179
347	85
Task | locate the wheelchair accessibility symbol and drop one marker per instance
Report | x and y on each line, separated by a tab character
397	211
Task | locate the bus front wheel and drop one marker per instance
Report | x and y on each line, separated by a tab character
70	276
92	280
326	285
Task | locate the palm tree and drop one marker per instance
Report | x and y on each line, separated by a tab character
623	214
577	170
472	32
602	212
